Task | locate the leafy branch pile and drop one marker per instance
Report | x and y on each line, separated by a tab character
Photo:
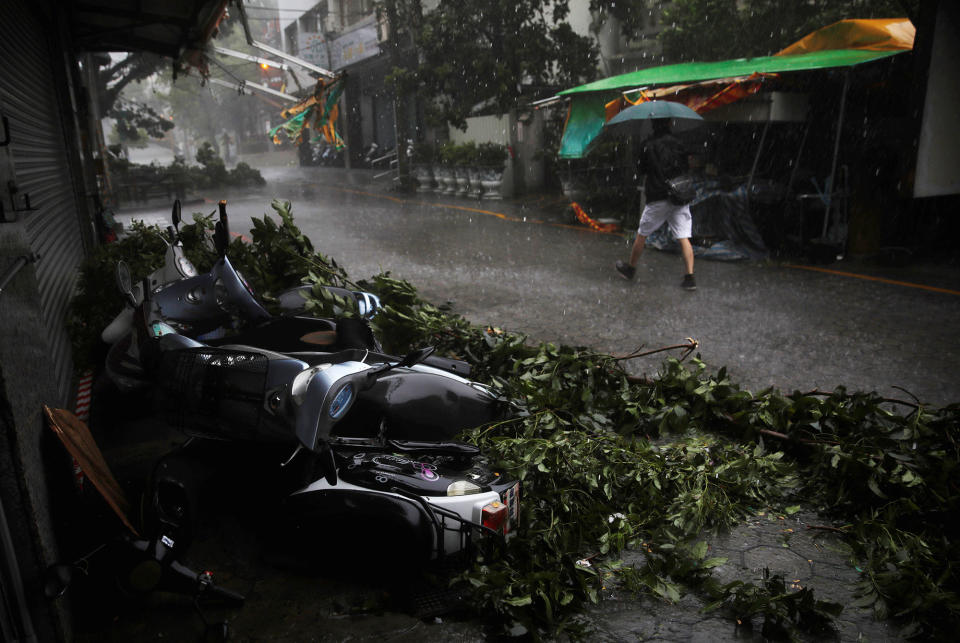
611	462
595	484
279	256
98	300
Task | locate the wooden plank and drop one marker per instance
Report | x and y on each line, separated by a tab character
79	442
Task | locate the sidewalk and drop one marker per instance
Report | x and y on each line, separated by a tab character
797	547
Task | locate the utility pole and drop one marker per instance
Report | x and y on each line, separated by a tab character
403	21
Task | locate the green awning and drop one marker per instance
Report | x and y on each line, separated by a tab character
584	122
694	72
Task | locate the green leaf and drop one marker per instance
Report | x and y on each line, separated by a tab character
872	483
710	563
518	601
668	591
699	550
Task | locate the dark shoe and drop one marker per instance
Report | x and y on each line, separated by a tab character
688	282
626	270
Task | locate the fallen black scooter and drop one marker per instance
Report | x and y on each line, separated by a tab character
373	433
370	439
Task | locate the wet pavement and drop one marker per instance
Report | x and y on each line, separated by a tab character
525	266
796	547
528	267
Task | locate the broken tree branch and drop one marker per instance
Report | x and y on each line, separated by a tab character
891	400
826	528
690	346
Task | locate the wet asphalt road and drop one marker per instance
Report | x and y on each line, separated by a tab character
529	269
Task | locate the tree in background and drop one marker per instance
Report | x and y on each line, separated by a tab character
135	122
484	53
719	29
632	14
114	76
119	98
205	110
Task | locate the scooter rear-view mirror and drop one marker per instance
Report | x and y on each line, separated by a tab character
177	215
124	282
417	356
411	358
221	231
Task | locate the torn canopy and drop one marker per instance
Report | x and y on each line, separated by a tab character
843	44
701	97
319	112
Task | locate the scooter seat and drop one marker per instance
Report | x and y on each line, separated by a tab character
243	348
174	341
285	334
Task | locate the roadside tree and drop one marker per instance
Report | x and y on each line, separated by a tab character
488	54
718	29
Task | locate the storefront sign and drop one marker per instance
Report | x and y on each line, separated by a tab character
357	45
312	47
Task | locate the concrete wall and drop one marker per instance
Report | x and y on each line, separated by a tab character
529	148
938	156
35	368
491	129
523	134
618	54
26	384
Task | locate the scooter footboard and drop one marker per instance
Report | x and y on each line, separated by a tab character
219	393
206	390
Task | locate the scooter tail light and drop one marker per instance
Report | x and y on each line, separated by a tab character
494	516
462	488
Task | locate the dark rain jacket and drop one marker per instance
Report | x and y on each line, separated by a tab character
662	157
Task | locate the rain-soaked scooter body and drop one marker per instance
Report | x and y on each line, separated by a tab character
375	431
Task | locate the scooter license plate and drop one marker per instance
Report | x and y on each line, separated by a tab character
511	498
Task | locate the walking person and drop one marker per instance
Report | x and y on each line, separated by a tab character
662	157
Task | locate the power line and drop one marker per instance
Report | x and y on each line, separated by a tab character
277	10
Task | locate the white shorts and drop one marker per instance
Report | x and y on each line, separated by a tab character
678	217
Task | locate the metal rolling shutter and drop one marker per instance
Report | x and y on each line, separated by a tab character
38	144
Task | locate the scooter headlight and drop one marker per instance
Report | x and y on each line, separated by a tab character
185	267
341	402
298	388
463	488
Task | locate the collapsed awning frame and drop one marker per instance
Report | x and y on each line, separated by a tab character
682	73
242	86
574	144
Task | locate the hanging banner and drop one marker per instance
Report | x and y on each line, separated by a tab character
319	112
354	46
